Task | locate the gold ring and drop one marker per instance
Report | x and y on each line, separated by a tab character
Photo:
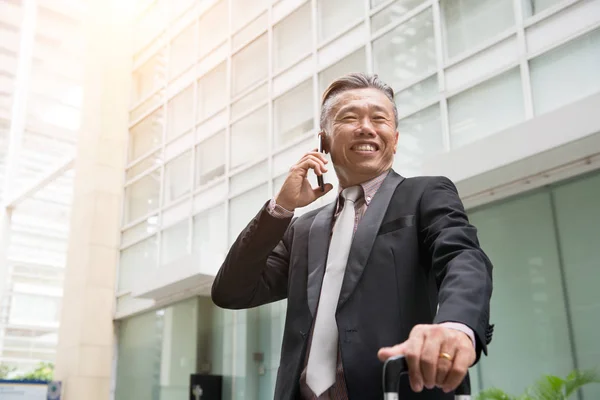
446	356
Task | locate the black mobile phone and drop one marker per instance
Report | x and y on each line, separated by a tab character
320	177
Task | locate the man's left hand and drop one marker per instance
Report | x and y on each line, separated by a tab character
436	356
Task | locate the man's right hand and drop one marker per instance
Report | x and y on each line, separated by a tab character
296	190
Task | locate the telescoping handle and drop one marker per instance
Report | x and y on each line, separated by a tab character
395	367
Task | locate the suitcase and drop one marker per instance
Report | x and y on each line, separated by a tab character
395	367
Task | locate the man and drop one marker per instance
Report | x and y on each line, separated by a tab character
391	267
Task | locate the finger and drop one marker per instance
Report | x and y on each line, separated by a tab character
322	168
317	154
313	164
386	352
430	356
317	190
444	365
414	345
314	156
462	359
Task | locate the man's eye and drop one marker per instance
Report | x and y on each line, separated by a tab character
380	118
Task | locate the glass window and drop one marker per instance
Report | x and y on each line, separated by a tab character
250	65
335	16
392	13
150	24
519	237
249	101
210	238
213	27
486	108
177	177
249	138
288	44
355	62
142	197
578	219
532	7
250	31
468	23
210	159
180	113
158	351
420	137
294	113
407	52
182	54
149	77
243	11
416	96
146	135
143	229
174	242
212	92
137	261
34	309
147	163
244	207
566	74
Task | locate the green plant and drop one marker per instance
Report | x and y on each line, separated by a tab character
5	370
44	371
549	387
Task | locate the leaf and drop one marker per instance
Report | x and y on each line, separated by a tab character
549	387
494	394
577	379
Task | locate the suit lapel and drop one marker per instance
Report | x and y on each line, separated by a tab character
365	235
318	245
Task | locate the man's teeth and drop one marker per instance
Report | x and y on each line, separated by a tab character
364	147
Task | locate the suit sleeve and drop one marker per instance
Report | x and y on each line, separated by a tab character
462	270
255	271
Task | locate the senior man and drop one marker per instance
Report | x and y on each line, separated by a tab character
393	266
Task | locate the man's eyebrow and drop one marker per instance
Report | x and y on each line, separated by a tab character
352	108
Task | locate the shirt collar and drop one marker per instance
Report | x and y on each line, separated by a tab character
371	186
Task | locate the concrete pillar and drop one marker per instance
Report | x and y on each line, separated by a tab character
85	352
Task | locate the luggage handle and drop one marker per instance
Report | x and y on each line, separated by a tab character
395	367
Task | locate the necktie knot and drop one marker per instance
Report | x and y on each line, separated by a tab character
352	193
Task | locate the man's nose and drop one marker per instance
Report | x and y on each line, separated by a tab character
367	127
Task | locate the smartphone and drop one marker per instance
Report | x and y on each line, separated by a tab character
320	177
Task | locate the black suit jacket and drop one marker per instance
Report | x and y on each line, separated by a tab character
413	248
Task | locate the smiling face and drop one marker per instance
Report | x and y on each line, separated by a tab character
361	135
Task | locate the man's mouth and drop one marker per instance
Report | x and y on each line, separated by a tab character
364	147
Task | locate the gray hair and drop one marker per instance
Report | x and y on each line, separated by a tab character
349	82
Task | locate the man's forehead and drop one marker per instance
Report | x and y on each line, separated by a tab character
369	96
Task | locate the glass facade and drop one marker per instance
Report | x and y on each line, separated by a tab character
226	98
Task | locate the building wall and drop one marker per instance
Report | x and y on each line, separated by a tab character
495	94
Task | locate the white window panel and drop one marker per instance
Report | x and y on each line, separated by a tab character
210	159
212	93
210	238
567	73
149	104
179	145
249	32
149	77
150	24
249	101
532	7
487	108
293	113
416	96
337	48
209	197
407	52
211	125
142	197
243	11
355	62
176	213
285	159
288	45
177	177
143	229
136	262
180	112
249	177
392	13
249	138
182	51
213	27
152	161
420	138
335	16
243	208
469	23
33	309
174	242
250	65
291	76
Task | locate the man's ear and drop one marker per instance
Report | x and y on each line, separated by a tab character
396	142
324	138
